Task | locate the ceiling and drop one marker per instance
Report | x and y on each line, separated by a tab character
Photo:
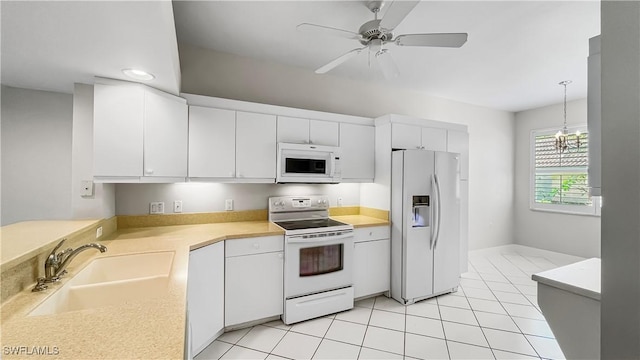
50	45
516	54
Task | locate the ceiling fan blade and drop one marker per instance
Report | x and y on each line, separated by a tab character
455	40
339	60
388	66
327	31
396	12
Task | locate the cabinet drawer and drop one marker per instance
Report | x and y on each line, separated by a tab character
371	233
256	245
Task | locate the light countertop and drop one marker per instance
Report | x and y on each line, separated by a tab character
27	239
582	278
150	329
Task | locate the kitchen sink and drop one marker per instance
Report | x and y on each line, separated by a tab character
112	280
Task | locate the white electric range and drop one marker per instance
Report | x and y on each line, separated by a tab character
318	257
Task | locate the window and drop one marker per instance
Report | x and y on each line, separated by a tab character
559	180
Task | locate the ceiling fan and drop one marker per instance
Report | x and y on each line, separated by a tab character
376	34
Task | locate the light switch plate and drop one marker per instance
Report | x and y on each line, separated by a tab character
228	204
86	188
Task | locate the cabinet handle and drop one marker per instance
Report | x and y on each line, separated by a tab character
370	233
280	256
148	171
256	246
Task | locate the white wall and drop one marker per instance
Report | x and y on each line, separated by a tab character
620	300
102	203
36	155
134	199
491	131
577	235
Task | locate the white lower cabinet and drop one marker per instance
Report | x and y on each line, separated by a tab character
205	295
253	279
372	261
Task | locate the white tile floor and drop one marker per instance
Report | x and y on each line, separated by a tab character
494	315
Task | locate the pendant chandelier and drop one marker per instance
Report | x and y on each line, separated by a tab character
563	143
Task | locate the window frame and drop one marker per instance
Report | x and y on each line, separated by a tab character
586	210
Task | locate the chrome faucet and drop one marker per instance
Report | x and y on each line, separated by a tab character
56	263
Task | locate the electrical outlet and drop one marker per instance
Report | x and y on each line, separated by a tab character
228	204
177	206
156	208
339	201
98	232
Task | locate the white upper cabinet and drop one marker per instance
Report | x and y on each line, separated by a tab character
404	136
358	148
304	131
255	146
293	130
139	134
324	133
434	139
458	142
212	142
231	146
165	136
118	131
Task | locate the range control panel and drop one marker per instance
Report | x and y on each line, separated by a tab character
298	203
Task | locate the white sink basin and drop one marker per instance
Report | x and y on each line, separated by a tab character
110	281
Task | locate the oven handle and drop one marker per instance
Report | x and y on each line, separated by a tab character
297	239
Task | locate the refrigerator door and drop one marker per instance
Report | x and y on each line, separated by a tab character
417	241
447	207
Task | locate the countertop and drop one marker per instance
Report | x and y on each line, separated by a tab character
27	239
582	278
150	329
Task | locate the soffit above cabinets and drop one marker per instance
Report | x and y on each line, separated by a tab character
50	45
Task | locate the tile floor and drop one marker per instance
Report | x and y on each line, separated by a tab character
494	315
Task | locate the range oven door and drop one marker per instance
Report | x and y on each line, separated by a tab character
318	262
305	163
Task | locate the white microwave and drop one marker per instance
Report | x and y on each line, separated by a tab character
308	163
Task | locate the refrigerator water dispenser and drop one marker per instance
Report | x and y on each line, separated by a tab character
421	211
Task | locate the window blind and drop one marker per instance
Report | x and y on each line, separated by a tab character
561	178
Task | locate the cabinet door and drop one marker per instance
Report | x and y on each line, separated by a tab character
165	135
434	139
212	142
205	295
458	142
372	267
118	130
255	145
324	133
253	287
405	136
293	130
358	150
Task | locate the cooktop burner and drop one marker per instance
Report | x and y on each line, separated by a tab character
308	224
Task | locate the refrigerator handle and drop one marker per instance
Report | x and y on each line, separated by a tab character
432	221
438	206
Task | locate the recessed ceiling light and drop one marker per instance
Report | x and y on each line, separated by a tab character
138	74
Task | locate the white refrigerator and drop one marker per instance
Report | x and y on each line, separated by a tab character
425	224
